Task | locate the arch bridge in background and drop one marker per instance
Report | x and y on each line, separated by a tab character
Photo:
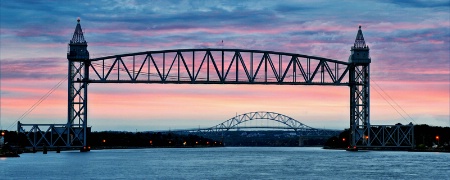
289	124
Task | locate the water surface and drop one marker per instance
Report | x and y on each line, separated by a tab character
227	163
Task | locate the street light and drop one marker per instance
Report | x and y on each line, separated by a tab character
437	139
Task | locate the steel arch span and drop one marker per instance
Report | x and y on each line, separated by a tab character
273	116
290	123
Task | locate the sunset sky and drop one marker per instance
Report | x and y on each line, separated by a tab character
409	47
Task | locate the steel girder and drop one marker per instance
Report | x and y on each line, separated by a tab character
218	66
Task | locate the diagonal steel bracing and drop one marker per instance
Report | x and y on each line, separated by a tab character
213	66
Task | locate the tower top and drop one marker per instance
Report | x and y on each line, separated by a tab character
359	41
78	37
360	51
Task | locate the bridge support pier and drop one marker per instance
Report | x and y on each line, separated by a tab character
359	77
359	105
79	63
300	141
77	103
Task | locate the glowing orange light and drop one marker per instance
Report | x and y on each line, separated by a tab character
367	137
437	137
343	139
207	142
151	142
196	142
184	143
3	133
104	140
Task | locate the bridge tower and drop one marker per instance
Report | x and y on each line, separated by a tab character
79	63
359	74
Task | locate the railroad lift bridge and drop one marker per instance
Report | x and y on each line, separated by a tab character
217	66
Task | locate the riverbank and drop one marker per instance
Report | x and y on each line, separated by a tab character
392	149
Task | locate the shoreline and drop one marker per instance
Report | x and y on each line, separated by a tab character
392	149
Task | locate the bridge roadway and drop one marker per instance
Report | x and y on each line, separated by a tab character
303	133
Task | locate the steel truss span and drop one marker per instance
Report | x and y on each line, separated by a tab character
217	66
391	136
290	123
52	135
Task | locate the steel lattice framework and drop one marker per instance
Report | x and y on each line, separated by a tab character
218	66
290	123
210	66
391	136
360	92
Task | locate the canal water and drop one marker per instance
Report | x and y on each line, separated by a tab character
227	163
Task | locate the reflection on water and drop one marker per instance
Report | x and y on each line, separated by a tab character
228	162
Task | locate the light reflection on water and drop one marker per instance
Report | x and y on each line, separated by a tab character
226	163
